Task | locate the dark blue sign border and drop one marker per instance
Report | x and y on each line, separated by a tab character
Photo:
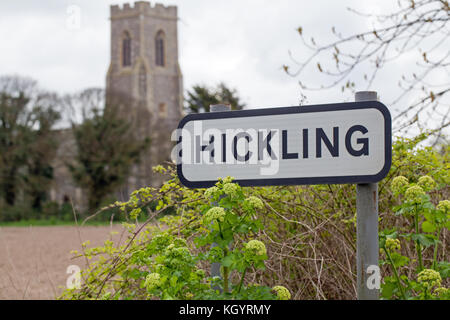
293	110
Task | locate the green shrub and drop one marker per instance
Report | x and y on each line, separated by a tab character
308	233
165	263
427	223
50	210
15	213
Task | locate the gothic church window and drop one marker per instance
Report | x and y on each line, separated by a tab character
126	50
159	47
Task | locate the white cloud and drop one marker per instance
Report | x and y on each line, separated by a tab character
243	43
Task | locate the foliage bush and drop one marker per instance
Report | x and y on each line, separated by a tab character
277	242
427	222
169	262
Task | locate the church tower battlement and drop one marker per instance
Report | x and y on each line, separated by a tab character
158	10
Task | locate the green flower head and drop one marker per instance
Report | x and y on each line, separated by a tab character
398	183
429	278
215	213
255	202
189	295
444	205
414	194
282	293
211	192
178	252
231	189
228	179
441	291
392	244
427	183
176	257
152	281
256	247
159	169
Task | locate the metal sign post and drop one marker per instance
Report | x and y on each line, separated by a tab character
366	227
215	266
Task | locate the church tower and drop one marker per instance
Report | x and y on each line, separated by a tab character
144	68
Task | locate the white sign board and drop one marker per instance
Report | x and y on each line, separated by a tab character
321	144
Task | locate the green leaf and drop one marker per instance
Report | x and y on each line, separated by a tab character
228	261
425	240
428	227
167	296
444	269
428	205
173	281
388	288
406	209
243	228
399	260
440	217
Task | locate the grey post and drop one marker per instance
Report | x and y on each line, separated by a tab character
366	226
215	267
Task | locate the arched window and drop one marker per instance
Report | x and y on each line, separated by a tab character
159	47
126	50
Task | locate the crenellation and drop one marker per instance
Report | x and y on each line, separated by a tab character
162	9
143	7
114	9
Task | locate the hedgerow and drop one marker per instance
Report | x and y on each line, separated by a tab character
291	242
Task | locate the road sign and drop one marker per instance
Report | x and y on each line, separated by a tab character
318	144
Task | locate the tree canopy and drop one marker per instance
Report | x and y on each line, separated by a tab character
105	142
27	146
200	97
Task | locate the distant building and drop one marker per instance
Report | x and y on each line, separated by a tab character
144	67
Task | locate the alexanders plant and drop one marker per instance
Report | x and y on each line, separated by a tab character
426	224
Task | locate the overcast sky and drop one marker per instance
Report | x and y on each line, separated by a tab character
244	43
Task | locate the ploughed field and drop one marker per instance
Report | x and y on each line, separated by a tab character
34	260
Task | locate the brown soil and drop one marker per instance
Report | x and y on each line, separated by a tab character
34	260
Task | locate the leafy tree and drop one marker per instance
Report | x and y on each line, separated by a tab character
42	151
106	144
416	28
200	97
27	117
